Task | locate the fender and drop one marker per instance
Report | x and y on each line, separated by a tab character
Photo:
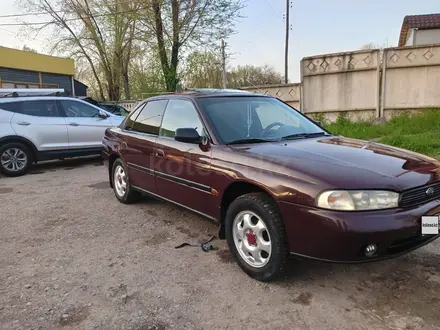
25	141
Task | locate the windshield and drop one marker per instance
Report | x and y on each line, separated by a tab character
257	119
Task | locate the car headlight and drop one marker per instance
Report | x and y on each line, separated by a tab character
357	200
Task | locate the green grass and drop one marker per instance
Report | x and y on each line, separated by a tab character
417	132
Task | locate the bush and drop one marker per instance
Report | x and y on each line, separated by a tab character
419	132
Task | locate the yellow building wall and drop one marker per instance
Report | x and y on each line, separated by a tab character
19	59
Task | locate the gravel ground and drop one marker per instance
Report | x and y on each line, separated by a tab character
72	257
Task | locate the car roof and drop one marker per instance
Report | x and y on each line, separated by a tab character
11	99
207	93
35	98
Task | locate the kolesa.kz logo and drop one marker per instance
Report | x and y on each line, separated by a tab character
430	225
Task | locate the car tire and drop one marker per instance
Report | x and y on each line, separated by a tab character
19	156
121	184
259	228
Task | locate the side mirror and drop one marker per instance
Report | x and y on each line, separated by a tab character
102	114
188	135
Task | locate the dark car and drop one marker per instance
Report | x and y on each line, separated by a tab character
115	109
275	181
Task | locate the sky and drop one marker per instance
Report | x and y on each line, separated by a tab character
317	27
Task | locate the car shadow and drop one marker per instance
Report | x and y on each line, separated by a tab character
65	164
406	285
303	269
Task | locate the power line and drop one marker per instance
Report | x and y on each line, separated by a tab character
9	31
27	14
273	9
16	33
71	19
55	11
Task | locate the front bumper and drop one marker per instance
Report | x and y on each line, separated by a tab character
342	236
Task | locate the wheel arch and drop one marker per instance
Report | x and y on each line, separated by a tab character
23	140
232	192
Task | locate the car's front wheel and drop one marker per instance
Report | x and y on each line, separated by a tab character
121	184
256	236
15	159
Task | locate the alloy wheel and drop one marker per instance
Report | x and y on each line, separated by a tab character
252	239
120	181
13	159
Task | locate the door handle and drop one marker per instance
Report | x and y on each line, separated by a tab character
160	153
73	124
23	123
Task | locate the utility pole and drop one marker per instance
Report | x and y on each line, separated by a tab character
286	49
223	46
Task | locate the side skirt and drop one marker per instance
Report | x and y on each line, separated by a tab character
67	153
175	203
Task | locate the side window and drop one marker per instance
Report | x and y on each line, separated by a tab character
180	114
11	106
41	108
128	122
150	117
78	109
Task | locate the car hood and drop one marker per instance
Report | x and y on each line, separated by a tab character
345	163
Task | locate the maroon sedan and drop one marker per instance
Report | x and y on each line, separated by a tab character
275	181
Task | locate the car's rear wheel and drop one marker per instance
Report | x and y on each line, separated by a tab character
256	236
121	184
15	159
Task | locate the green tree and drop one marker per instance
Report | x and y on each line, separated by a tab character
202	70
146	78
29	49
251	75
181	25
99	33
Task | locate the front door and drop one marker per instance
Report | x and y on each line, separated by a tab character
41	122
85	128
183	169
141	131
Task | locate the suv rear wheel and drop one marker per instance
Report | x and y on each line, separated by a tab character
15	159
256	236
121	184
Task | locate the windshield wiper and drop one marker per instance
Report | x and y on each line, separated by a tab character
249	140
303	135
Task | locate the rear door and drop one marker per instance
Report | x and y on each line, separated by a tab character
7	110
84	127
140	134
41	122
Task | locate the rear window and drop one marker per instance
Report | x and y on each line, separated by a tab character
10	106
150	117
40	108
129	120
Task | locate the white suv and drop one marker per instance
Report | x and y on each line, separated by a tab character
39	128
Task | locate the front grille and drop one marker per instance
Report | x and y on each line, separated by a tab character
418	195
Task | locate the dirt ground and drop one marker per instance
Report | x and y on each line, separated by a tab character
72	257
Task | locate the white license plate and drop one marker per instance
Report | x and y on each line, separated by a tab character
430	225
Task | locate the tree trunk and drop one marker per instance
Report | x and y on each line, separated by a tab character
125	79
173	80
161	44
